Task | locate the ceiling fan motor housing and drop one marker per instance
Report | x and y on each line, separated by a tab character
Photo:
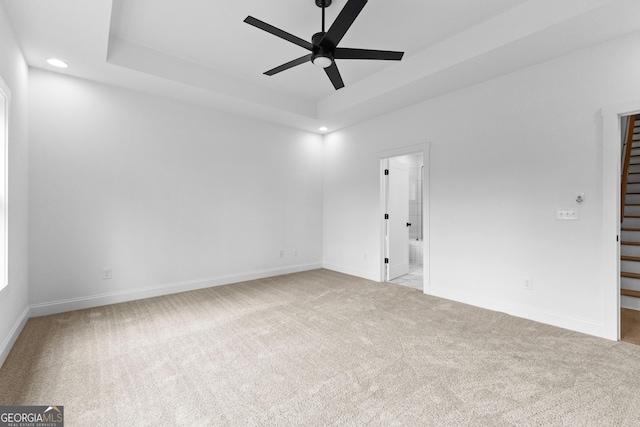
323	3
320	55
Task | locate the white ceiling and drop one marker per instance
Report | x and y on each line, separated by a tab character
201	51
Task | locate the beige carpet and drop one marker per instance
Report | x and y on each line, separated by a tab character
317	348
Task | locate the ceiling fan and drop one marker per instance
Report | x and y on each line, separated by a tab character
324	45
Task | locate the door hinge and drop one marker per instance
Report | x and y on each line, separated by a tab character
386	171
386	216
386	260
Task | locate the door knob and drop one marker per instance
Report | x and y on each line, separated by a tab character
408	224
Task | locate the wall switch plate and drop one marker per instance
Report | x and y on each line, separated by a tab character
106	273
527	284
570	214
281	254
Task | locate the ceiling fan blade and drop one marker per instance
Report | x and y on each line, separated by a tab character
345	18
278	32
288	65
334	76
347	53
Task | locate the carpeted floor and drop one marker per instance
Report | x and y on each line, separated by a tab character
317	349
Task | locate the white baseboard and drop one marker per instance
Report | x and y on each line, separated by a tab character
13	335
61	306
585	326
352	271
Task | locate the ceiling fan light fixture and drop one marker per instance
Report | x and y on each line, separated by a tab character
322	61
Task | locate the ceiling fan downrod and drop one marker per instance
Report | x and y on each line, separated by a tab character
323	4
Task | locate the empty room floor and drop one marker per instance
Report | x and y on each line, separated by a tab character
317	348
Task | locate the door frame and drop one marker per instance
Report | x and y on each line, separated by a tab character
423	148
610	236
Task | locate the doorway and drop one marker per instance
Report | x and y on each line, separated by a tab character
630	230
403	194
613	128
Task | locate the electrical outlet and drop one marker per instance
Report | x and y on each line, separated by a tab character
527	284
295	252
106	273
281	254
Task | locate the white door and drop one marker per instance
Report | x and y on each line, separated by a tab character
398	210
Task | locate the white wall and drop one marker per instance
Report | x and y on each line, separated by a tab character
14	297
504	155
169	196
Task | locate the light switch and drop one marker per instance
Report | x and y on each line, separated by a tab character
572	214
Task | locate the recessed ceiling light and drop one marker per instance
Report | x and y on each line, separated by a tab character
323	129
57	63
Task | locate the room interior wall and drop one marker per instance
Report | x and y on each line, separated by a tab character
14	297
166	196
505	155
